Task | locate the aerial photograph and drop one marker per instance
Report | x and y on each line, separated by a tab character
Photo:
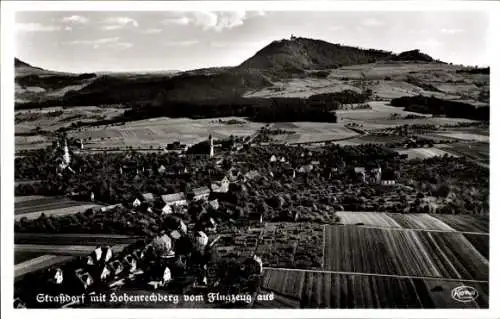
251	159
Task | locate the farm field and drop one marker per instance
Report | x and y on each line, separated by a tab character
423	152
53	118
29	205
73	239
387	81
319	289
467	136
56	212
17	183
158	132
422	221
480	242
21	199
20	257
312	132
41	262
32	208
430	222
367	218
410	253
379	117
67	250
476	151
466	222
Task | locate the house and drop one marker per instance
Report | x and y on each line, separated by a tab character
100	255
214	204
283	160
161	281
201	193
233	174
388	182
162	169
131	263
116	267
148	197
175	235
136	203
221	186
272	159
361	172
84	277
305	168
212	225
375	175
177	199
181	227
253	174
253	265
111	207
167	209
389	177
315	163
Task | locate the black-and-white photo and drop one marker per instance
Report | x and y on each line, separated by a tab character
251	159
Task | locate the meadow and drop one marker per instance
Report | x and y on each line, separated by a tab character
158	132
423	152
318	289
33	207
312	132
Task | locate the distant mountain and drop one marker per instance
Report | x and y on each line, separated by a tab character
298	54
18	64
276	62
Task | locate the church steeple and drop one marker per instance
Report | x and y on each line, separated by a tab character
66	156
211	142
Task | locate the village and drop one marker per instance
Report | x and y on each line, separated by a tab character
235	207
176	247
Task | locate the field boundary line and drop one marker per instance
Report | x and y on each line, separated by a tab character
413	229
377	275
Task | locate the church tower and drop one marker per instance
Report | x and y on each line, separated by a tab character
211	143
66	156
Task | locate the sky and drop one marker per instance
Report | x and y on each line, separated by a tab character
91	41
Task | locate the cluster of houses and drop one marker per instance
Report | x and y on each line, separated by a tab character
375	176
366	175
155	264
180	200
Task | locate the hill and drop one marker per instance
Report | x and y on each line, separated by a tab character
20	64
303	66
299	54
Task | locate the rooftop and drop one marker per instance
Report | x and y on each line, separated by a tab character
201	190
169	198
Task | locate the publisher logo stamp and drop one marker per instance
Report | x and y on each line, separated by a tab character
464	294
